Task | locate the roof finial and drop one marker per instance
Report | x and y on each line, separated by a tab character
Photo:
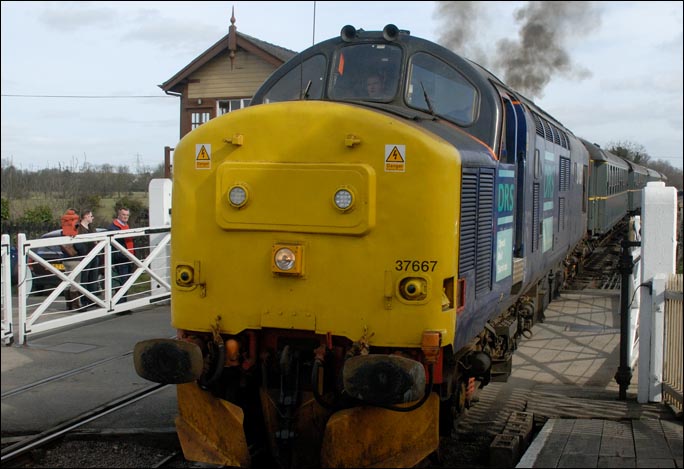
232	38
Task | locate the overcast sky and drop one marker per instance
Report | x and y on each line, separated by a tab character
622	82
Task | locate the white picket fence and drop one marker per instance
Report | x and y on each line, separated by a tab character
673	345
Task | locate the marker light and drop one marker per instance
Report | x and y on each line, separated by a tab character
413	288
237	196
343	199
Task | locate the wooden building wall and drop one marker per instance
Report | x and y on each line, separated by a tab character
217	80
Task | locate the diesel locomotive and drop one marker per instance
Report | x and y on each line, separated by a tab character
349	266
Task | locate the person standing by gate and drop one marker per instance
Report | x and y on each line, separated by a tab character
69	223
89	275
120	263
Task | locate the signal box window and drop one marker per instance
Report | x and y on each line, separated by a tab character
449	94
199	118
229	105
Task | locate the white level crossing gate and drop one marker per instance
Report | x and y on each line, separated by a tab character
43	300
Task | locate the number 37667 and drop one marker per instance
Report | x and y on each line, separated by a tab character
415	266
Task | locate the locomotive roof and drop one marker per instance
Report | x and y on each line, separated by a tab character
484	125
489	108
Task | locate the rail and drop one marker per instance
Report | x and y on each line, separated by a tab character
35	441
50	293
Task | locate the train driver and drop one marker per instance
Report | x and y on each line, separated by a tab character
375	86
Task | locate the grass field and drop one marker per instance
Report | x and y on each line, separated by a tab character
103	213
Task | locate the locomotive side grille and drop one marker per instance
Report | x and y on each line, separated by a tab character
550	132
566	141
561	214
547	131
468	221
538	125
535	217
564	174
485	204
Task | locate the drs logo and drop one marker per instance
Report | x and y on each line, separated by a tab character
505	198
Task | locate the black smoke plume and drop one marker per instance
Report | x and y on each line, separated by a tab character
540	51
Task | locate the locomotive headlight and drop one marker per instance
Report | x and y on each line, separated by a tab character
237	196
343	199
287	259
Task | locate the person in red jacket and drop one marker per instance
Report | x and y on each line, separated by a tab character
120	263
69	223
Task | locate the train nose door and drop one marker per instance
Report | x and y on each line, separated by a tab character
515	155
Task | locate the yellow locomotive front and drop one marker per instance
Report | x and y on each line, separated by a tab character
315	258
315	216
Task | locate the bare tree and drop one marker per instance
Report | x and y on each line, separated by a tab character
631	151
674	175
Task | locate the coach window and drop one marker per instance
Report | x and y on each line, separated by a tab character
449	94
610	180
305	81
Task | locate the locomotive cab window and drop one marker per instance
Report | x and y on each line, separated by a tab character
305	81
448	93
367	72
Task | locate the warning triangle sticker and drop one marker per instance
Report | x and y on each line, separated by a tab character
395	156
203	155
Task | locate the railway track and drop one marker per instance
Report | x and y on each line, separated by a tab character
38	450
600	268
75	371
33	442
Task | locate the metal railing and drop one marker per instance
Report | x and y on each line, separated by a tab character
673	344
50	293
